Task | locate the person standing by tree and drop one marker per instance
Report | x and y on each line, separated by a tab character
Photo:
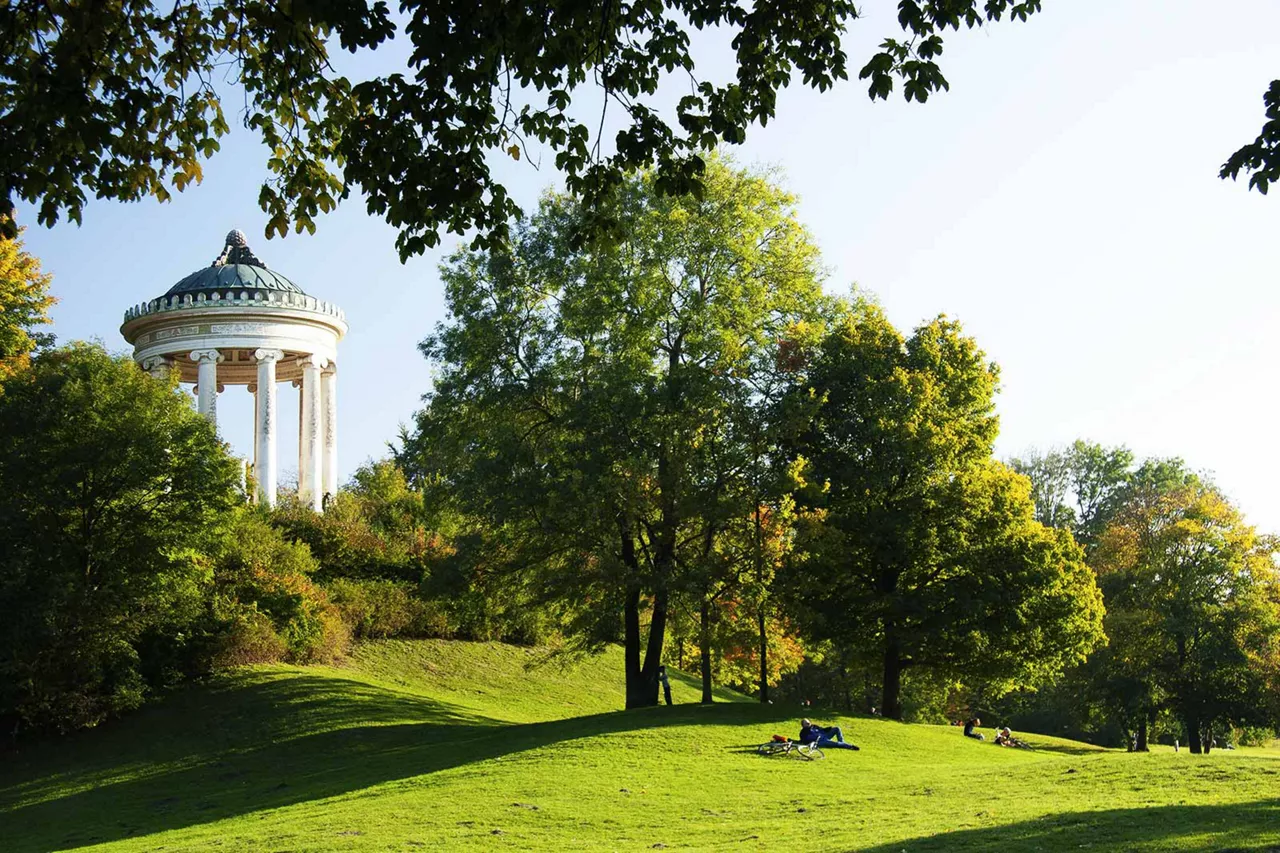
666	685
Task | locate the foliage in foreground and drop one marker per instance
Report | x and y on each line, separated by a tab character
127	560
416	141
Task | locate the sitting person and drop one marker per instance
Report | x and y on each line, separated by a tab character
1004	737
969	727
830	736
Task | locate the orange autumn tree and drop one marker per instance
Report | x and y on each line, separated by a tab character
727	624
24	304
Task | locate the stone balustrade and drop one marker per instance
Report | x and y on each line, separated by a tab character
238	299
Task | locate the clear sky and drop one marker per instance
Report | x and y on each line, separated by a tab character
1061	200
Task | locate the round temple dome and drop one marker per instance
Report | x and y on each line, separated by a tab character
237	268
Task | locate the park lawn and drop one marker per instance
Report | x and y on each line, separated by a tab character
461	746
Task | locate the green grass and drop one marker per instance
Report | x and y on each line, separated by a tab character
458	746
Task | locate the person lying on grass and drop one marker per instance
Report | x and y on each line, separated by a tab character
1004	737
829	736
969	727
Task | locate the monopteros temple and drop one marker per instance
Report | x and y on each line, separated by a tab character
238	323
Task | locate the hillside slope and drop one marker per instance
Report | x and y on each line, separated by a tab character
458	746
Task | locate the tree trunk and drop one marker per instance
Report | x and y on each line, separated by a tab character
760	620
892	689
1193	734
764	659
646	694
1140	742
704	649
1208	738
631	650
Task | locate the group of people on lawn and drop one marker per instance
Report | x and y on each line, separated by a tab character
832	737
1004	737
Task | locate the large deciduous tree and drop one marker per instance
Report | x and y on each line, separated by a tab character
112	491
590	403
1193	600
928	555
126	100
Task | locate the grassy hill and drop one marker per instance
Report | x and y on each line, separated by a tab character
459	746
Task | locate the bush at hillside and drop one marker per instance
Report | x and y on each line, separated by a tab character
263	580
378	609
113	491
375	527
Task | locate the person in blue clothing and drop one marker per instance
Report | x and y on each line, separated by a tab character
969	727
666	684
830	736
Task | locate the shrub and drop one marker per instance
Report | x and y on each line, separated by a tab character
483	602
1255	735
249	636
377	609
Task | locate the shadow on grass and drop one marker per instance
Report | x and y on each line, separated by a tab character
1063	748
1236	828
268	745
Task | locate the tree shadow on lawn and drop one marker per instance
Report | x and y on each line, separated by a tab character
1235	828
232	712
248	765
1061	748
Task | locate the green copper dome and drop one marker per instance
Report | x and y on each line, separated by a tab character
237	268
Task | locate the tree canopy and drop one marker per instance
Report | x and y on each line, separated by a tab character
114	492
1193	600
127	100
1078	488
927	554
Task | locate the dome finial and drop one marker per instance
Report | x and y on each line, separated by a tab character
237	251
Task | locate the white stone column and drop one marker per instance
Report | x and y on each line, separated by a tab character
157	366
264	429
253	390
207	382
329	403
310	482
297	383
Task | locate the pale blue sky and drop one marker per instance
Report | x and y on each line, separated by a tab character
1061	200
